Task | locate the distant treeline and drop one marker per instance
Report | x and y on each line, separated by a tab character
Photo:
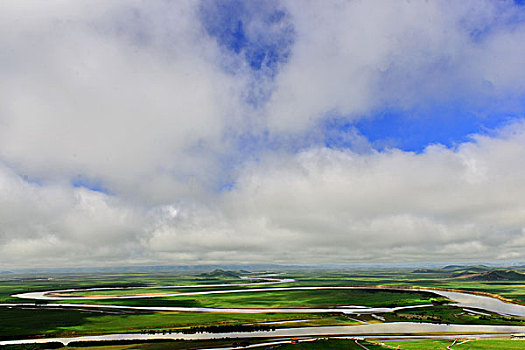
213	329
99	343
86	343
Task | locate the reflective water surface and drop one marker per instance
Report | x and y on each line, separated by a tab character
394	328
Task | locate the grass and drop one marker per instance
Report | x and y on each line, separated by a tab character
13	284
145	345
329	344
449	314
476	344
494	344
18	322
161	321
420	344
26	323
402	277
283	299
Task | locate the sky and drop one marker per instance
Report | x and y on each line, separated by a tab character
255	132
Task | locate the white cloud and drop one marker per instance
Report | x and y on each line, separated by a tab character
90	96
351	57
133	96
329	205
320	205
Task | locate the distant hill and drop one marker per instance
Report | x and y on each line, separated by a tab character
220	273
469	268
452	267
427	271
495	275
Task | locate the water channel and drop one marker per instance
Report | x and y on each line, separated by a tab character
461	299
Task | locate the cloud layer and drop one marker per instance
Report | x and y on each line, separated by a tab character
158	133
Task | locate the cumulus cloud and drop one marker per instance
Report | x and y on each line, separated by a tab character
123	93
58	225
171	132
353	57
325	205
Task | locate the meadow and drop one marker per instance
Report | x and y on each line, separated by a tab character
319	344
461	344
282	299
37	320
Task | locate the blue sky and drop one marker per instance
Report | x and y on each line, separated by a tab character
448	122
264	48
415	130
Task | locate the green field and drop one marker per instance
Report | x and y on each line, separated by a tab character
407	278
329	344
13	284
145	345
477	344
449	314
283	299
37	321
321	344
18	322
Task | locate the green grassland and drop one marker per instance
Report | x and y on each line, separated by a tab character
158	344
321	344
13	284
388	277
450	314
420	344
39	321
153	290
283	299
17	322
174	321
329	344
407	278
476	344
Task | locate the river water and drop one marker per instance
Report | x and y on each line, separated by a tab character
346	310
374	329
483	302
460	299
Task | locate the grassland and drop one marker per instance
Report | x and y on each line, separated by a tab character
17	322
450	314
514	290
20	323
476	344
329	344
40	321
144	345
321	344
283	299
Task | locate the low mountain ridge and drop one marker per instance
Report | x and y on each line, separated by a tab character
220	273
428	271
467	268
494	275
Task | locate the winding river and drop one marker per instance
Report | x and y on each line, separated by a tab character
465	300
461	299
377	330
